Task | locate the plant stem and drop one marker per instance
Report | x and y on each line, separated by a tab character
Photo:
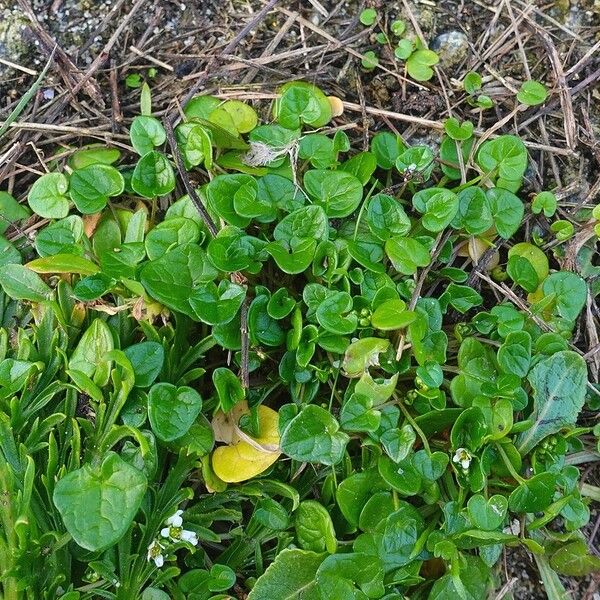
413	424
591	491
509	465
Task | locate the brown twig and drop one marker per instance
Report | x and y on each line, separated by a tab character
258	17
208	221
245	346
569	124
117	113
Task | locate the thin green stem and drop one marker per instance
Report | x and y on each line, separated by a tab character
413	423
508	464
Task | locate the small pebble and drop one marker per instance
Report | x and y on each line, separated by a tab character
452	47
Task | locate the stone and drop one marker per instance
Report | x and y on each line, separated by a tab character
14	45
452	47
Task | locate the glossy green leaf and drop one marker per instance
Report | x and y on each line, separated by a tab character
533	495
559	387
172	410
147	359
407	254
146	133
438	205
98	503
153	176
63	263
314	436
217	305
314	527
386	217
22	283
290	577
47	196
339	193
91	187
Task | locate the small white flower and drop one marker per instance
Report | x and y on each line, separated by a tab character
190	537
178	534
175	520
462	457
155	553
175	532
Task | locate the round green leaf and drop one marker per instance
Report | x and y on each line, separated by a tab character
173	232
153	176
532	93
47	196
217	305
91	187
439	206
407	254
419	64
368	16
146	133
313	436
339	193
392	315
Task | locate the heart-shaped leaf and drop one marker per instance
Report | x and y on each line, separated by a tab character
533	495
98	502
146	133
419	63
153	175
91	187
430	466
358	414
487	514
314	436
172	410
217	305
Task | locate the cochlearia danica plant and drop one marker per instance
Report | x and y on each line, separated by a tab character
321	373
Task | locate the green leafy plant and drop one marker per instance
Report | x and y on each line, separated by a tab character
532	93
418	58
262	383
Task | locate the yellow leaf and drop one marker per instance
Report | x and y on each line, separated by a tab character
225	424
246	457
337	106
241	462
